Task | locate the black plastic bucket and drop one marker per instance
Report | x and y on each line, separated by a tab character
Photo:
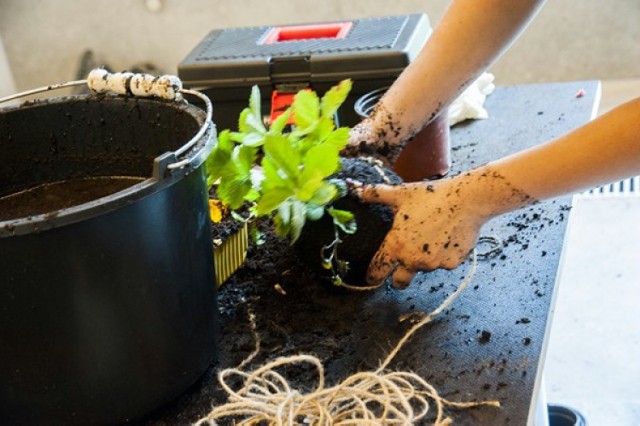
107	308
560	415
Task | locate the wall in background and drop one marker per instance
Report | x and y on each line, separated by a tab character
44	39
6	80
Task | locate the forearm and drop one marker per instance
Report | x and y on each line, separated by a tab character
437	222
605	150
469	37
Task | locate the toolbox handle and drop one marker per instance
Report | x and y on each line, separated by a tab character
336	30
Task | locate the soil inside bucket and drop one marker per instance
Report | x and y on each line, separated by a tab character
53	196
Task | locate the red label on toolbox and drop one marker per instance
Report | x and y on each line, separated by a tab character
305	32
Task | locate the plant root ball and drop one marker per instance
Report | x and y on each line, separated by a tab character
373	220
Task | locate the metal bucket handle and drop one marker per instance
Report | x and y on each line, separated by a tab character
143	85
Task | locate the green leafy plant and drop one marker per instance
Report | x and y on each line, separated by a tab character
284	170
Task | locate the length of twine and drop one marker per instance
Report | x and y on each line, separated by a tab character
364	398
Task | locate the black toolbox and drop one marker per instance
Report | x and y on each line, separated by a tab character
281	60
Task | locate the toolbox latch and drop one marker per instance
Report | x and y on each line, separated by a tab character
284	70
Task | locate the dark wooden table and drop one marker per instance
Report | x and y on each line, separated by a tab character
489	344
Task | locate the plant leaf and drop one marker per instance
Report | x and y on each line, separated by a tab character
314	211
323	160
300	132
271	199
248	123
273	178
250	119
252	195
282	219
253	139
306	189
217	165
225	142
290	219
334	97
218	161
323	129
338	138
242	121
295	164
343	219
305	109
232	191
341	187
256	110
255	124
278	149
244	158
298	219
326	193
278	125
319	163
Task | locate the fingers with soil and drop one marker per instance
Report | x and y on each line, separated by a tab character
381	266
402	277
382	194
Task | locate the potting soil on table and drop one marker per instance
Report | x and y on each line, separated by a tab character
486	346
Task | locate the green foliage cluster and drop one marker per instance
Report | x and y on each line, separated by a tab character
282	170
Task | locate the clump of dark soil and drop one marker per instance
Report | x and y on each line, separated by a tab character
373	220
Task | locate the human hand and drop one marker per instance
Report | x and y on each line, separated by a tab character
366	139
436	225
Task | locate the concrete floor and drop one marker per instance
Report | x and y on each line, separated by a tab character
594	349
593	358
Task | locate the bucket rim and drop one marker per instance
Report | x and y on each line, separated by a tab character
163	174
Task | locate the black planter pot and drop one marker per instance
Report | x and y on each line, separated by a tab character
107	308
373	220
561	415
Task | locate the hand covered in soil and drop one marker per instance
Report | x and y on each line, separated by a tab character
435	226
367	139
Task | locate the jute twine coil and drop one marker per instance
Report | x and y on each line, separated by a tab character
379	397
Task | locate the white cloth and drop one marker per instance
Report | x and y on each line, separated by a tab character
470	104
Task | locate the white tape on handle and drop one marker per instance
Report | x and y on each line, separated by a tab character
126	83
144	85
